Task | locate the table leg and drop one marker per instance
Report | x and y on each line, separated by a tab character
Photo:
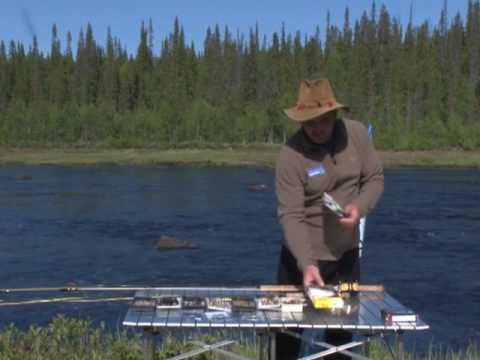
261	343
366	348
366	344
399	343
210	348
266	344
149	345
331	349
272	343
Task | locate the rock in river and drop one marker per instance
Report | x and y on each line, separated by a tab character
172	243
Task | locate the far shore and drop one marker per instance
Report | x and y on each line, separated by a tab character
254	156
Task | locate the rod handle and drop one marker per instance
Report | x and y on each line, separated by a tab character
281	288
361	287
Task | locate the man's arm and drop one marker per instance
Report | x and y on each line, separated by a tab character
291	207
371	177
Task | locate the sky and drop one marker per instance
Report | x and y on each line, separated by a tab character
21	19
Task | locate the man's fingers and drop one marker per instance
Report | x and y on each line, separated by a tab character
320	281
351	216
312	276
347	221
319	278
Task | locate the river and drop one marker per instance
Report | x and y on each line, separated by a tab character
99	224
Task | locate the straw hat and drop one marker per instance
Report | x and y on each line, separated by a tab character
315	98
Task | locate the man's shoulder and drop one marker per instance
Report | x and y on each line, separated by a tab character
354	125
356	130
292	150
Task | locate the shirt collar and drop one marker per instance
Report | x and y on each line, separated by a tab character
310	147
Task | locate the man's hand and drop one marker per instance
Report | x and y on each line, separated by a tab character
311	276
352	216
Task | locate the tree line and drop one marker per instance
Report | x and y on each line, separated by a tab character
418	85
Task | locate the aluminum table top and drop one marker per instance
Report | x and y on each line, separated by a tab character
365	313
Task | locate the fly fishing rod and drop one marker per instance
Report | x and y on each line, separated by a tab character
71	299
285	289
279	288
353	287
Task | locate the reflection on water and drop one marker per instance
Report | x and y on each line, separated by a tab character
99	225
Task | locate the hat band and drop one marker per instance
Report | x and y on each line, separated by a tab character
303	106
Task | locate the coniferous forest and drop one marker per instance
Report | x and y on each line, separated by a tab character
419	85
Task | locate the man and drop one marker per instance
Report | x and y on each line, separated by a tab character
327	154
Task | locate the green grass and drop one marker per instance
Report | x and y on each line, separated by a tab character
78	339
259	155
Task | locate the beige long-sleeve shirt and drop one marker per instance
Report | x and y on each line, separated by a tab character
349	170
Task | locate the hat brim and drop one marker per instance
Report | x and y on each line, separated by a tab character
306	114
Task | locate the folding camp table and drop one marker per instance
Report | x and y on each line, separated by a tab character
364	318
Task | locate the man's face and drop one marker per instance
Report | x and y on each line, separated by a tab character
320	129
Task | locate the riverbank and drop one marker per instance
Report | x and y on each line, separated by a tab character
262	156
66	338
